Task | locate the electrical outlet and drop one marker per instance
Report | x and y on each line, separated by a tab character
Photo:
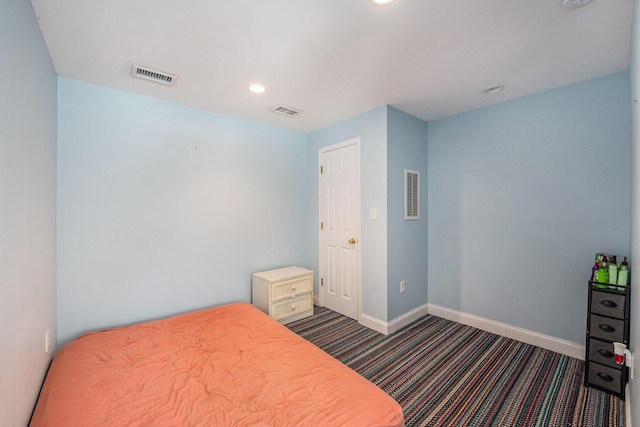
402	286
46	341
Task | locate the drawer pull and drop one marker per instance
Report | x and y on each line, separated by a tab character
293	287
609	304
607	328
605	377
293	307
605	353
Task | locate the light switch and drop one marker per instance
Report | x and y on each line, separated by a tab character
373	213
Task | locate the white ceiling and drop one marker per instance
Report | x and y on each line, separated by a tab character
335	59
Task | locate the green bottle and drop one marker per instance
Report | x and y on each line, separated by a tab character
602	275
613	272
623	275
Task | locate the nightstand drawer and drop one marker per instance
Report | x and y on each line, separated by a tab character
606	328
292	307
607	304
602	352
291	288
605	377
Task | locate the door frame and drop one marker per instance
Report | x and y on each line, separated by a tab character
322	150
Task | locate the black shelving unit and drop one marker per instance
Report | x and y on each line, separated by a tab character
607	322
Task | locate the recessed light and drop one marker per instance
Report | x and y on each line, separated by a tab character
381	2
493	89
573	4
257	88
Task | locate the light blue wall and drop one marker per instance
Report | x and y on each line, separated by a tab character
521	196
164	208
406	240
371	128
27	210
634	340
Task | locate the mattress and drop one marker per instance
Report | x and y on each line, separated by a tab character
230	365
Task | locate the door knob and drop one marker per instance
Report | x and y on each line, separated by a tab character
352	241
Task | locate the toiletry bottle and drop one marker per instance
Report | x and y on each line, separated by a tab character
623	274
613	272
602	274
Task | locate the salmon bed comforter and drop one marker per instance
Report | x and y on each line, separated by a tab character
224	366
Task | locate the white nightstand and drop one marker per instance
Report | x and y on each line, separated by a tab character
285	294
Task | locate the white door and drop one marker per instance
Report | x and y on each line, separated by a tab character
339	227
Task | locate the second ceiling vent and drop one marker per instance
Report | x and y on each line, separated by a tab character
285	111
154	75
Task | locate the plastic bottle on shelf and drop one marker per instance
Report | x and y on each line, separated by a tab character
602	275
623	275
613	272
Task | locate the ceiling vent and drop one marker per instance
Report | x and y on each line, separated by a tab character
153	75
574	4
285	111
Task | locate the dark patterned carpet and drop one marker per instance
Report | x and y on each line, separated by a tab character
447	374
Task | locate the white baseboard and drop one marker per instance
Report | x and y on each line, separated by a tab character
548	342
373	323
558	345
396	324
407	318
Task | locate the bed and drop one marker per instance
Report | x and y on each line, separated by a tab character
228	365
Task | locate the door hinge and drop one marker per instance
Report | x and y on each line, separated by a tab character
322	226
321	169
321	282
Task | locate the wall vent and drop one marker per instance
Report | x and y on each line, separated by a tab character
153	75
411	194
285	111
